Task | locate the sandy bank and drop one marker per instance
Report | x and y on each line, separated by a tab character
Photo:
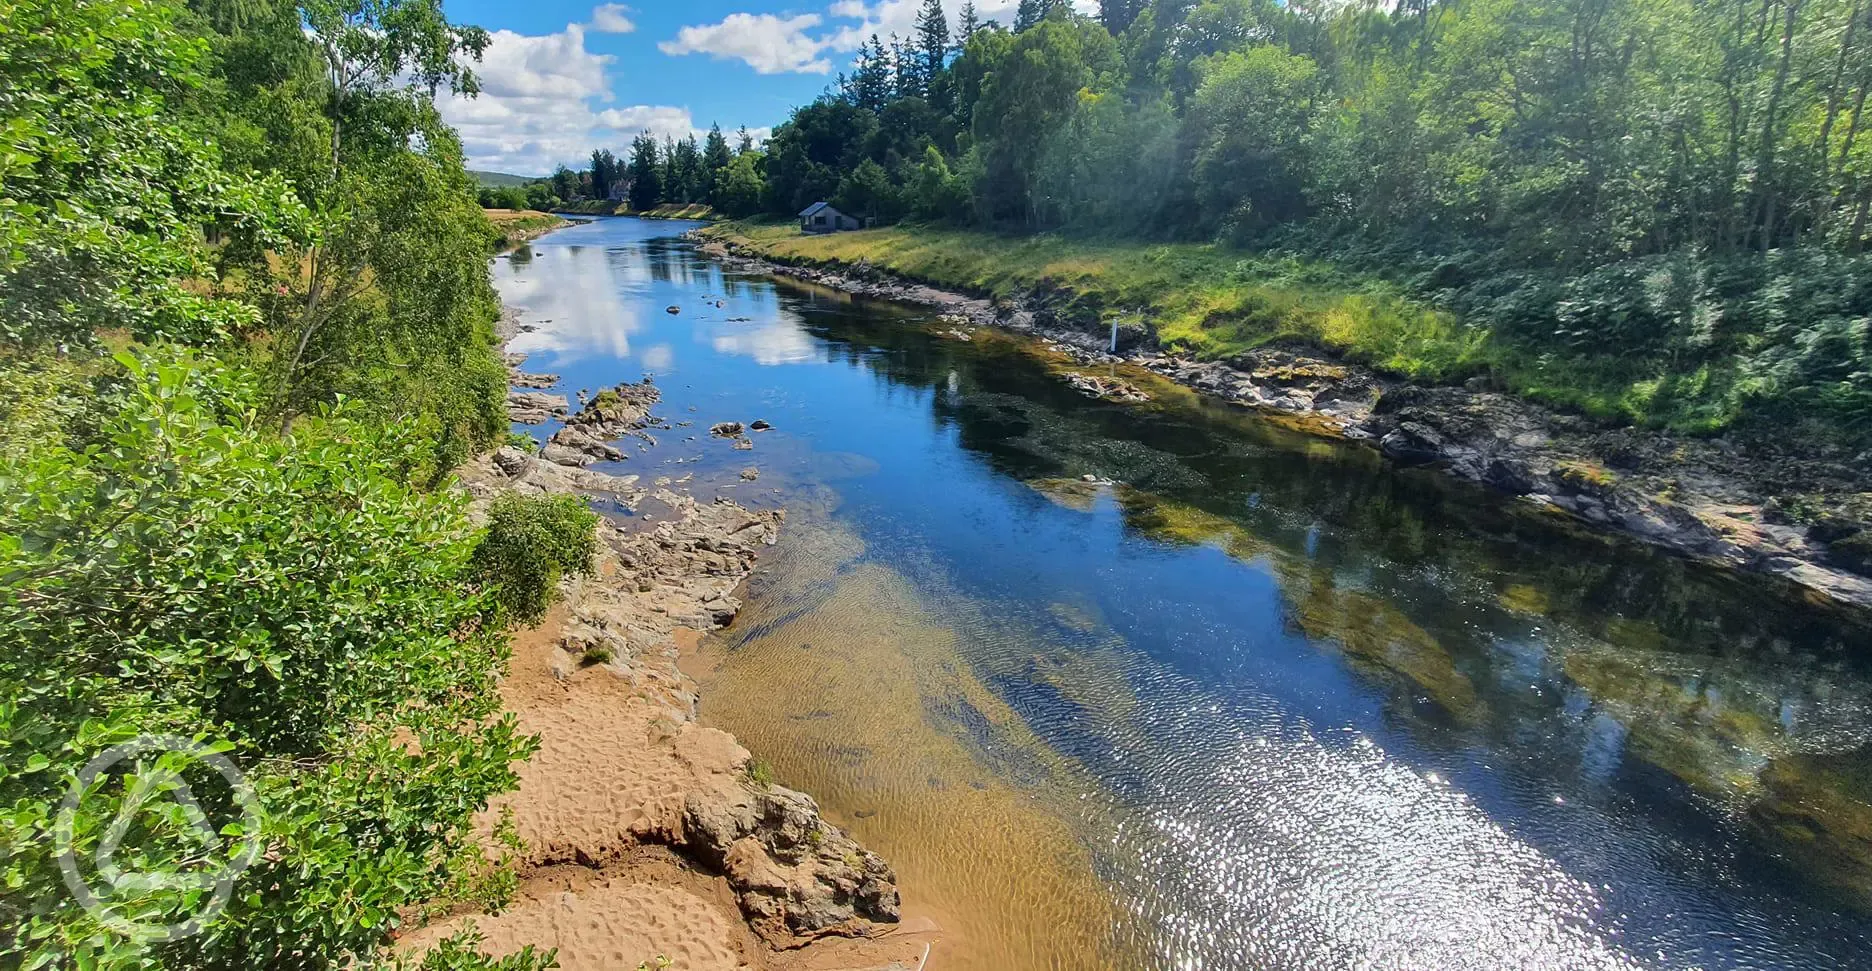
647	838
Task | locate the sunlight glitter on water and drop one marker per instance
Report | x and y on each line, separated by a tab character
1268	704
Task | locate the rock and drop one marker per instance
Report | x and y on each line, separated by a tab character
672	309
521	379
618	411
744	445
726	429
535	404
1413	443
794	874
1107	388
750	474
565	455
512	461
761	425
578	439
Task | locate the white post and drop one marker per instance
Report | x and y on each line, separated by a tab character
1114	346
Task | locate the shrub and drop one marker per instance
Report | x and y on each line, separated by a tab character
181	569
530	543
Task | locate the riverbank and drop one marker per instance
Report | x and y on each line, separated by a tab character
641	839
1755	507
522	226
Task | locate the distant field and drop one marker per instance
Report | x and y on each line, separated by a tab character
500	180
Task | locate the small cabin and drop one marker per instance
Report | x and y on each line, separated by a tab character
820	217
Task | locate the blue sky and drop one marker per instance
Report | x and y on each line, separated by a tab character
563	77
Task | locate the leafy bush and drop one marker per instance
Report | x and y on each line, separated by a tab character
184	570
531	542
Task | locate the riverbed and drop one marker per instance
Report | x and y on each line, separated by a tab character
1168	685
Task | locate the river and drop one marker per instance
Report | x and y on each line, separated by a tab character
1250	699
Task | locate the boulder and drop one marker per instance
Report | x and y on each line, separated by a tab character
726	429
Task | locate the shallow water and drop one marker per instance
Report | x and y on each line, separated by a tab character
1268	704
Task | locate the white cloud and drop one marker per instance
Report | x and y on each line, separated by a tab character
546	100
778	45
611	18
883	17
768	44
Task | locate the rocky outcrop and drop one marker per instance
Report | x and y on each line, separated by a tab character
535	407
1753	507
796	875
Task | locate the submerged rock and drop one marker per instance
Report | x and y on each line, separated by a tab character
1107	388
726	429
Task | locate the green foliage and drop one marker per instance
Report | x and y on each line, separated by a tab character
531	542
462	952
176	567
105	190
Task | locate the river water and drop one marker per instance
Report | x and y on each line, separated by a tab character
1265	703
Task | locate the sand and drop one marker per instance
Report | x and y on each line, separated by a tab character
605	876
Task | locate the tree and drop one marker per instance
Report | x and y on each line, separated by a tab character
739	188
1249	122
744	141
565	183
1027	99
384	60
604	172
689	176
1118	15
716	154
1029	14
646	171
106	183
932	37
868	192
967	23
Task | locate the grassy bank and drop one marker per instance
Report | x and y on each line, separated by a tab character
516	226
1215	302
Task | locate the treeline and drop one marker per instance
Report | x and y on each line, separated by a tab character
1672	189
710	171
247	333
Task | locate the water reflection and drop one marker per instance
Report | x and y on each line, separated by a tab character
1289	707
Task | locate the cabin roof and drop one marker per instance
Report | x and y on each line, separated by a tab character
814	209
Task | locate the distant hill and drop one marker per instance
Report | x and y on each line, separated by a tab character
500	180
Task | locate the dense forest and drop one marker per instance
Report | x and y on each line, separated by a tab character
248	331
1670	198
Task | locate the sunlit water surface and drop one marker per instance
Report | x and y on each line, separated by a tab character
1268	704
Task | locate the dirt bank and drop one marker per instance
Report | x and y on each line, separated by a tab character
1752	507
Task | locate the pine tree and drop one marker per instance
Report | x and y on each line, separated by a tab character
745	144
646	173
932	44
872	76
716	156
967	25
1029	13
1118	15
906	70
